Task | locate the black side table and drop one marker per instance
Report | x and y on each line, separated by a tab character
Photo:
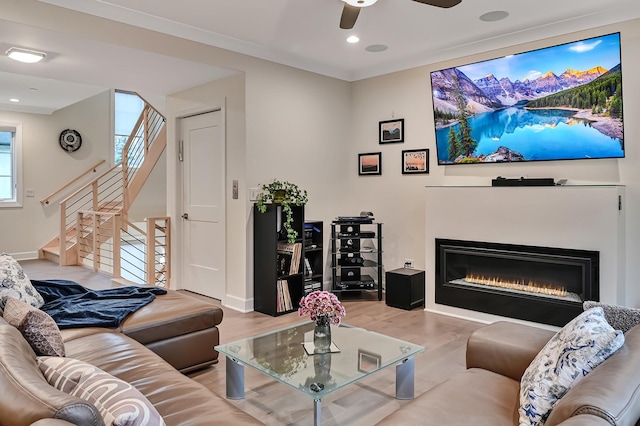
405	288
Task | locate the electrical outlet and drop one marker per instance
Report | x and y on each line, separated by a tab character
408	263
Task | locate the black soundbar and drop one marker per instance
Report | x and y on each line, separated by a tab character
500	181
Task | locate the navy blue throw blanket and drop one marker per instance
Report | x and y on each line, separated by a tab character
72	305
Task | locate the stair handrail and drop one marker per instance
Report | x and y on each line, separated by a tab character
149	126
88	185
92	169
111	189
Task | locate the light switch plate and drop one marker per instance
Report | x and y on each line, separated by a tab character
235	189
254	193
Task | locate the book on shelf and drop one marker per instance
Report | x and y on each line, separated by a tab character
289	258
312	285
287	296
284	296
308	271
279	296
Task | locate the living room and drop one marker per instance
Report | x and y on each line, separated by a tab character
328	122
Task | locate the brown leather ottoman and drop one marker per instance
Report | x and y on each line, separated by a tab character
181	329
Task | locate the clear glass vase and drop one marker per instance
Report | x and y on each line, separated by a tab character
322	336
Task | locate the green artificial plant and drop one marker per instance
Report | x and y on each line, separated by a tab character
286	194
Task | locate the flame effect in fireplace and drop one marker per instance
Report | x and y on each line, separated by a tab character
529	287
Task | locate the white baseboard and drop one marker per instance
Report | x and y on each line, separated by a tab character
238	304
483	318
27	255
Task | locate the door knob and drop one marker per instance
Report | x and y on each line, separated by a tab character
185	216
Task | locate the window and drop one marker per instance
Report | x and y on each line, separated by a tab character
10	164
127	109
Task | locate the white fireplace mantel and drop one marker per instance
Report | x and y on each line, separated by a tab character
585	217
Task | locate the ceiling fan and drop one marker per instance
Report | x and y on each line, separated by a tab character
352	9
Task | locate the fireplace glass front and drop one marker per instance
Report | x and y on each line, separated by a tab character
540	284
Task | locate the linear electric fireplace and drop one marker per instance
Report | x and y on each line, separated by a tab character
539	284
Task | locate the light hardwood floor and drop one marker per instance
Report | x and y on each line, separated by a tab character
363	403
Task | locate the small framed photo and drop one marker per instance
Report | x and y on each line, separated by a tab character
368	361
415	161
392	131
370	163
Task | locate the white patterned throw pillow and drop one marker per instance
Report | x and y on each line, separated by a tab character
119	403
574	351
14	283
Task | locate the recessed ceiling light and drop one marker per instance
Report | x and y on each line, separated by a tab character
14	100
496	15
376	48
353	39
24	55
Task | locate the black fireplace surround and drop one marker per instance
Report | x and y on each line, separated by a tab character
466	271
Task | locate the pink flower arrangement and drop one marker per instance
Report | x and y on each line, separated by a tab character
320	304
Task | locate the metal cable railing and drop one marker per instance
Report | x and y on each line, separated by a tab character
93	218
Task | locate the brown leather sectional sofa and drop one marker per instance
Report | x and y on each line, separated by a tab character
487	393
173	333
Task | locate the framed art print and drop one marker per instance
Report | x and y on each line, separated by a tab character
370	163
415	161
392	131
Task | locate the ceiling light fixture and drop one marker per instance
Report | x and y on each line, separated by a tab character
24	55
360	3
14	100
353	39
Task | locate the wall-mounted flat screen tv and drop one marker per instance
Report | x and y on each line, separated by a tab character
558	103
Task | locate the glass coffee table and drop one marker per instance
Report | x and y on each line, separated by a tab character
281	355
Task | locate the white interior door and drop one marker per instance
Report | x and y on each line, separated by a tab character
203	220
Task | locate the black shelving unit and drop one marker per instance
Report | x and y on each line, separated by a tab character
356	258
269	268
313	256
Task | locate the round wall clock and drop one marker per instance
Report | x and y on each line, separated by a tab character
70	140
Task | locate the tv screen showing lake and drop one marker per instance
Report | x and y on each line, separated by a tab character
537	135
562	102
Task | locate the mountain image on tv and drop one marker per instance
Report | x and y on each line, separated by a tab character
559	103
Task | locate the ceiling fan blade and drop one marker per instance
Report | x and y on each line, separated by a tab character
440	3
349	16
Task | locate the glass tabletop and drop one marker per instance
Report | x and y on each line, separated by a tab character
280	354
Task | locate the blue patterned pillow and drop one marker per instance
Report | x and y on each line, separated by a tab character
14	283
574	351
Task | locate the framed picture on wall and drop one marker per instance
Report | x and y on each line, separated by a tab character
370	163
415	161
392	131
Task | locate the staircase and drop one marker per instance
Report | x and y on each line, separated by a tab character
94	226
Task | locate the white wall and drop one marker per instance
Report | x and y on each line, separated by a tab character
579	217
281	123
229	94
398	200
152	200
46	168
